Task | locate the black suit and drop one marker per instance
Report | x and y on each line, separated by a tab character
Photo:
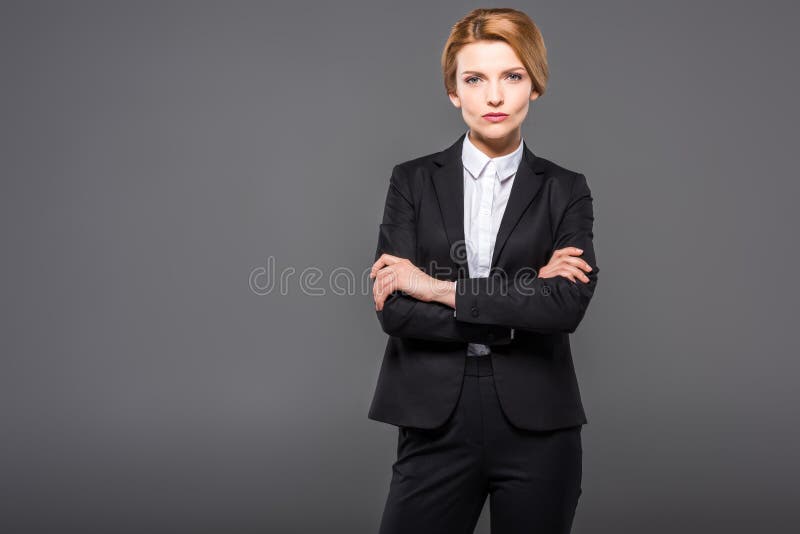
422	373
505	424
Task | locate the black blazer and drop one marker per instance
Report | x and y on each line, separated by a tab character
420	378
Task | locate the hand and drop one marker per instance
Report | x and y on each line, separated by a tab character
564	264
392	273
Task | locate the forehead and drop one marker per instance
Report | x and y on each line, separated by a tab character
487	56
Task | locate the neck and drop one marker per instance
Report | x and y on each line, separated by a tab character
494	148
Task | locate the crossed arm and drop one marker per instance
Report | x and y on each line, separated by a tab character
409	303
400	312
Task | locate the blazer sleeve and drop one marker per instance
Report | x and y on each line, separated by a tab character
543	305
402	315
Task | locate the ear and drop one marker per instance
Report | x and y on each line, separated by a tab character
534	95
454	99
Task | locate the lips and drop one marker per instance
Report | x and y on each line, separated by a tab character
495	117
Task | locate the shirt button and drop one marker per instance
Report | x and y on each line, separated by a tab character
475	312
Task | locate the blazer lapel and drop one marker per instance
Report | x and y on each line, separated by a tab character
527	182
448	181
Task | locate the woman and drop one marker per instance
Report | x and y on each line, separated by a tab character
478	373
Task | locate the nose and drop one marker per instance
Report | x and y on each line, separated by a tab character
494	95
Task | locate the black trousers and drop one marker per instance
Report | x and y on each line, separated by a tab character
442	476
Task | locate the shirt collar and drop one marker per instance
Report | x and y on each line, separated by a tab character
475	161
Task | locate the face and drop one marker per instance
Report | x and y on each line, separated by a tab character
491	79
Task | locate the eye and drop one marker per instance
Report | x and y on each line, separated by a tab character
518	75
467	81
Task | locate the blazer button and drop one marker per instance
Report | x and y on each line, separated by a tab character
475	312
490	336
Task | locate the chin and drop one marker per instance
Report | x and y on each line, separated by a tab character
494	133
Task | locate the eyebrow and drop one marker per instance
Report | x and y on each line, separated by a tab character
504	72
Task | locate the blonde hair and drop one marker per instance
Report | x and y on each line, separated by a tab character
498	24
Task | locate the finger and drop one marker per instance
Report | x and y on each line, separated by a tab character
575	272
571	251
548	271
387	284
373	270
379	295
381	281
384	290
577	262
383	261
379	264
384	273
379	285
566	273
388	259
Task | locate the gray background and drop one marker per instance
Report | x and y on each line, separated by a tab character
155	154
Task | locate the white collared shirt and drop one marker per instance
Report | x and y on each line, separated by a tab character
487	186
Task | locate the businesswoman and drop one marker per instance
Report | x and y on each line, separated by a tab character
484	266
